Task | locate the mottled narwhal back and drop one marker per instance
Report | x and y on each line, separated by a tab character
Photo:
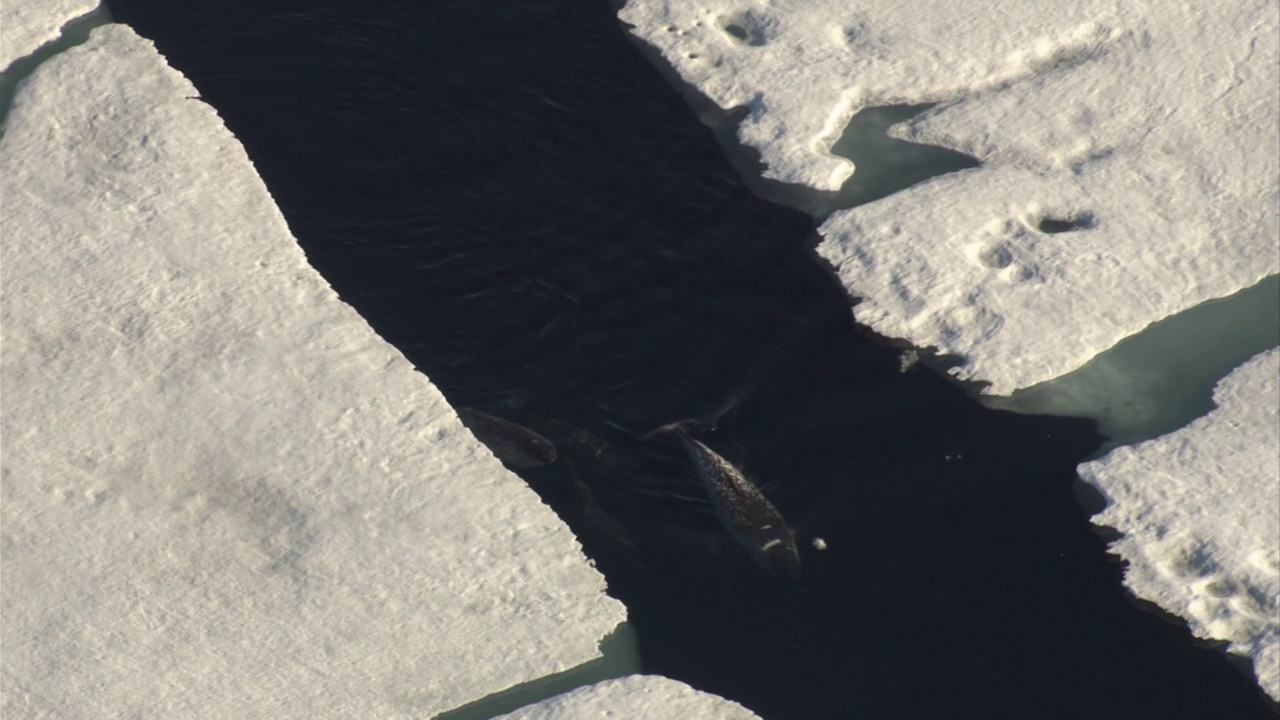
742	508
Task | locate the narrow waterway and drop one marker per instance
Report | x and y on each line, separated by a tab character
510	194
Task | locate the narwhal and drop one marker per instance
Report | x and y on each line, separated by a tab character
740	506
523	448
513	444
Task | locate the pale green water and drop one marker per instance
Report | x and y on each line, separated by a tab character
1162	378
620	656
74	32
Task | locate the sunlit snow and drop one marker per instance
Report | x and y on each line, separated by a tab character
27	24
223	494
1200	513
1130	158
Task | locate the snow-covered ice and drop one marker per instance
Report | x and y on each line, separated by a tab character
959	264
27	24
1162	378
1200	512
637	697
223	494
1145	135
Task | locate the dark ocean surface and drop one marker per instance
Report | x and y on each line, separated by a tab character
516	199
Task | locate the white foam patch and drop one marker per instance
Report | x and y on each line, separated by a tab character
1149	126
222	492
27	24
1200	513
636	697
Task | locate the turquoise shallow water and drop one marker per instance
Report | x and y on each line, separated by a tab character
514	197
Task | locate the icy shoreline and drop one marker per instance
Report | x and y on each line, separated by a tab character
222	492
1116	154
1198	511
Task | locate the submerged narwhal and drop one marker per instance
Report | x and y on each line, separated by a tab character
523	448
741	507
515	445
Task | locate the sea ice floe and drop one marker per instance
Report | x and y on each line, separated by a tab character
1130	158
1199	510
222	491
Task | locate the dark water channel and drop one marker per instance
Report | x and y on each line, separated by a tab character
515	198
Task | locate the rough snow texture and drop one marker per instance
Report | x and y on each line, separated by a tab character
637	697
1146	130
27	24
805	67
223	494
1200	513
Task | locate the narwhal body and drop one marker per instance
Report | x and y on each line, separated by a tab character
742	508
515	445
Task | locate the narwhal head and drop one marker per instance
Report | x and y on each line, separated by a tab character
774	548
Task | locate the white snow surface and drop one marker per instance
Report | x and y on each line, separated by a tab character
27	24
636	697
223	494
1150	124
1200	512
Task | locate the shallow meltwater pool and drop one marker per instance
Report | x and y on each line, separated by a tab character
516	199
